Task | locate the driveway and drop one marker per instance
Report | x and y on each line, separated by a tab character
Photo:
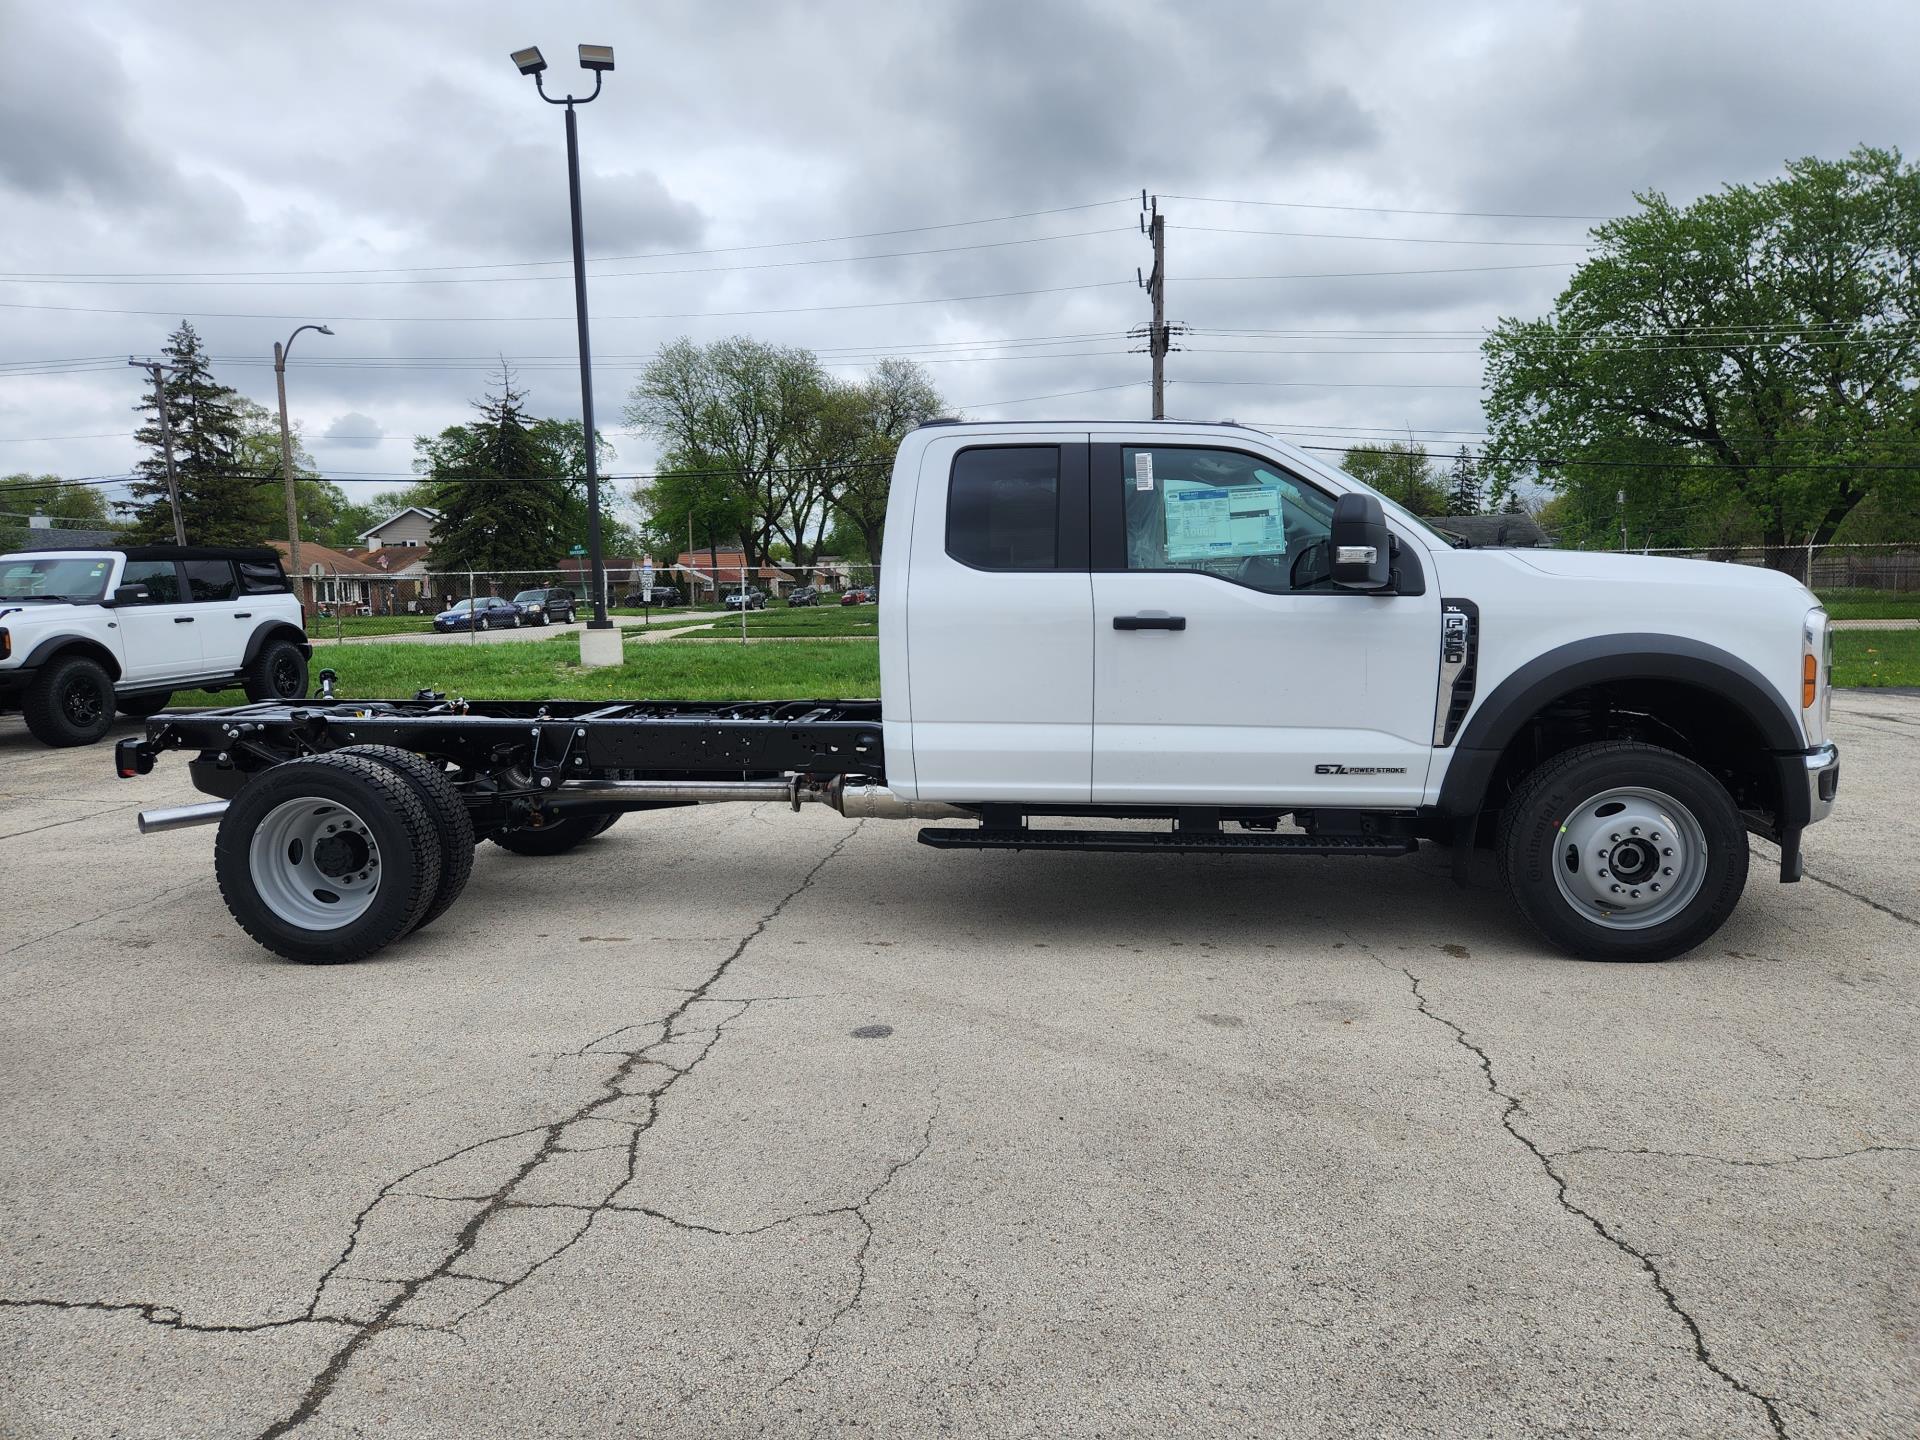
738	1122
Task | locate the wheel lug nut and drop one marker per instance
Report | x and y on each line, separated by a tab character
1603	872
1636	894
1655	887
1667	851
1616	837
1634	829
1614	888
1667	871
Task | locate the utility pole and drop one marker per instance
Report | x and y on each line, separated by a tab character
1158	333
157	371
286	457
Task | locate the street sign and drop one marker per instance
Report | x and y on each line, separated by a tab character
578	550
646	583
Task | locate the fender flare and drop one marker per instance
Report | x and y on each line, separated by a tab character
1602	658
280	630
54	646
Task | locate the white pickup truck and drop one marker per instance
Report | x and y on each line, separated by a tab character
1139	637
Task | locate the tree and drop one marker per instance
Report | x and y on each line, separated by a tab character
70	505
1401	471
223	497
739	412
1463	496
502	486
897	396
1740	367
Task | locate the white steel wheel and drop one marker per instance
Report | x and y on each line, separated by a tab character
1630	858
315	865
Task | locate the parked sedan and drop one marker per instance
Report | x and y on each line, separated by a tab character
803	595
749	599
854	597
485	612
540	607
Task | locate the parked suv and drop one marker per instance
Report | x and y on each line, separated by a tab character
663	595
86	632
803	595
540	607
749	599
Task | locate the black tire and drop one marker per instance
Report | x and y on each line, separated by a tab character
1539	824
399	822
555	838
449	814
278	672
71	703
139	707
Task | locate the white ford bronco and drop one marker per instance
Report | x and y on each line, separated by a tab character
1124	637
86	632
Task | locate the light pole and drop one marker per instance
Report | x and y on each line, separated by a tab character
598	59
286	453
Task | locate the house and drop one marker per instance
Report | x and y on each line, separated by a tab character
694	572
333	579
1494	532
413	588
411	529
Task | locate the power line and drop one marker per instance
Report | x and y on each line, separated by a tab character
591	259
567	278
1388	210
1368	274
515	319
1387	239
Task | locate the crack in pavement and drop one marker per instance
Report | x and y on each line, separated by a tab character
1745	1164
1899	915
674	1027
108	913
613	1090
1510	1104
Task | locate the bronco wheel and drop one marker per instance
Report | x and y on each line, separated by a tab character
71	703
1623	851
327	858
278	672
450	818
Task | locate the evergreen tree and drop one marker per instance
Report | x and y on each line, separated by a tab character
501	491
224	495
1463	496
1514	505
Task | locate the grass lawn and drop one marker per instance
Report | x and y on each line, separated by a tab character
806	621
1871	604
1876	657
549	669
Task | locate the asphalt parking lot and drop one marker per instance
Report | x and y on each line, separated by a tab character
744	1123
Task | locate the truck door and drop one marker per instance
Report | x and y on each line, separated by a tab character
161	635
224	626
1228	670
1000	623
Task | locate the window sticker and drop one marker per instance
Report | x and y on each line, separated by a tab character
1213	522
1143	470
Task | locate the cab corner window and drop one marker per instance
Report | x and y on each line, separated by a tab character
1225	513
1003	507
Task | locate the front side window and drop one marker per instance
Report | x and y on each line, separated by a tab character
1224	513
159	576
1003	507
210	580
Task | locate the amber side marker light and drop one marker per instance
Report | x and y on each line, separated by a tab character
1809	679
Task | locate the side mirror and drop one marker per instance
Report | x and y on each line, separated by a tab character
1362	547
131	595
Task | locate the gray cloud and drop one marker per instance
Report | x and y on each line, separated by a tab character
359	135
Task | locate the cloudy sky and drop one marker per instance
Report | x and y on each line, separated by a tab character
955	182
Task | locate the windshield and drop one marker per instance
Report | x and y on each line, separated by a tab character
527	596
1399	511
460	607
81	579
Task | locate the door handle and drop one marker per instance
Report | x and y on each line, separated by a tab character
183	619
1149	622
244	615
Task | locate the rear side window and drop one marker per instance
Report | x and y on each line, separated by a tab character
261	579
211	580
1003	507
160	578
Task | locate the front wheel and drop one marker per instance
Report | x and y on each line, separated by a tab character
71	703
1623	851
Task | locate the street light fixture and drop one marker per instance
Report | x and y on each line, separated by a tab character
286	451
599	60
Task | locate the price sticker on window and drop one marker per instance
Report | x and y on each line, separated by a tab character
1143	470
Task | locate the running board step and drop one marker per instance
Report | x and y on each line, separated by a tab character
946	838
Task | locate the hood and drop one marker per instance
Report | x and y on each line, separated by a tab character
17	616
1719	575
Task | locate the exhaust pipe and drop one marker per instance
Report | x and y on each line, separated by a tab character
181	817
856	802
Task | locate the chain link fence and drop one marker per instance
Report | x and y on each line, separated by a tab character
371	604
1892	567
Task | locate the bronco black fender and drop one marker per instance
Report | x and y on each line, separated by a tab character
266	634
42	654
